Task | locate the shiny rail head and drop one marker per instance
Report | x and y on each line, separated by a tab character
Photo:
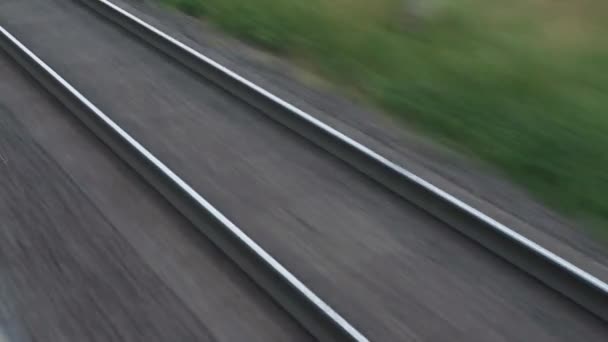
488	221
286	275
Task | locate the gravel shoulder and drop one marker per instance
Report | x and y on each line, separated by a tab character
66	274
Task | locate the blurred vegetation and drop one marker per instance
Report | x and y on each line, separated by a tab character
522	84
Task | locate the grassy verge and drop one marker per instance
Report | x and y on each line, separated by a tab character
522	84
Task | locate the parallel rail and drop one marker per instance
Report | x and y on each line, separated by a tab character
534	259
318	318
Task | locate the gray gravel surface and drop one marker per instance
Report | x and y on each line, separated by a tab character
392	270
90	253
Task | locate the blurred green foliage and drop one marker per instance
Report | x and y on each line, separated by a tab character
522	84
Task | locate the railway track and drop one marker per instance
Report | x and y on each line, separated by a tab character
589	292
310	310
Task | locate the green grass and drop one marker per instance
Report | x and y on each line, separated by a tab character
522	84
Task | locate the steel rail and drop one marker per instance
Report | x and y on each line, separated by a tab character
290	293
551	269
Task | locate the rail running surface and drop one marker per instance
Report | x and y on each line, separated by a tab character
548	267
305	306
